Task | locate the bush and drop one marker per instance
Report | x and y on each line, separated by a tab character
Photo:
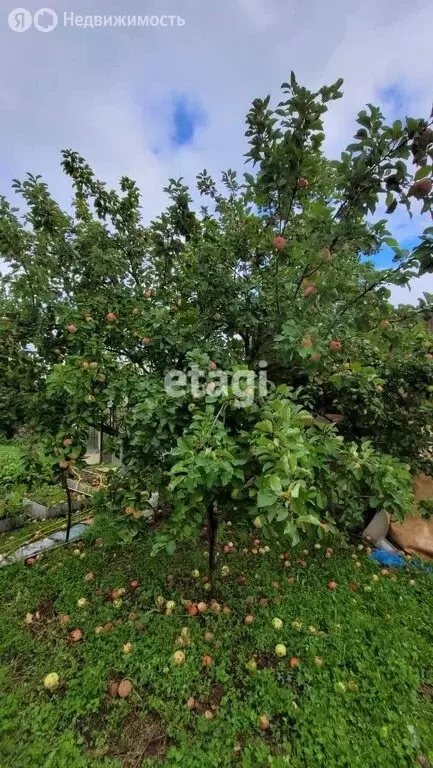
11	502
12	465
274	463
24	461
364	481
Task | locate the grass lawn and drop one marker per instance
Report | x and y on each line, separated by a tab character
360	695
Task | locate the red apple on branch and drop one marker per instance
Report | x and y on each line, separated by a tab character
310	290
421	189
279	242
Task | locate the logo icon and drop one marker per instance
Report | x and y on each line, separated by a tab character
20	20
45	20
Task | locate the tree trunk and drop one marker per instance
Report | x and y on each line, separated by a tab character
69	500
212	528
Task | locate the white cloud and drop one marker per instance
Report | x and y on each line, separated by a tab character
410	295
104	92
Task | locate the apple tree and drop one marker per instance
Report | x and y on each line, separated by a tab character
274	272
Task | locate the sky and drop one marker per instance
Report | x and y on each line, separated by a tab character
159	102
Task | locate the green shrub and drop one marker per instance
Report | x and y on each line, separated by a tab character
365	479
272	463
11	502
12	465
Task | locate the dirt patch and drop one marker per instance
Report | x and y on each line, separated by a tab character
42	618
212	702
426	690
265	661
140	736
217	693
46	610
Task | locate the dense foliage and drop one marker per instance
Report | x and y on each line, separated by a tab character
269	275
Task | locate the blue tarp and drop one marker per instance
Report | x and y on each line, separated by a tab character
391	560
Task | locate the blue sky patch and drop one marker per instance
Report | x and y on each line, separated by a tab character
187	117
395	100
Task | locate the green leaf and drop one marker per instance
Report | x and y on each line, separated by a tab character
308	520
291	531
264	426
170	547
423	172
266	499
275	483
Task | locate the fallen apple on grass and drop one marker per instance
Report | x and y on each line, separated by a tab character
125	688
264	722
113	688
127	648
51	681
